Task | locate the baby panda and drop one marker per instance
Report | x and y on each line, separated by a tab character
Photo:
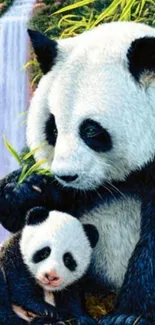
42	270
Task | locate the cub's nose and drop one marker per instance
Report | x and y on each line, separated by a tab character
67	179
54	280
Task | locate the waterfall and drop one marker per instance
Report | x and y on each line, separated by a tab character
13	80
14	91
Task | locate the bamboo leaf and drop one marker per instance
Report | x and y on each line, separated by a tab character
142	4
127	10
107	12
35	167
49	29
73	6
65	18
32	152
22	176
36	78
29	64
23	122
76	26
90	20
23	113
12	150
43	171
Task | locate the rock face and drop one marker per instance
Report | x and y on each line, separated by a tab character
3	7
42	4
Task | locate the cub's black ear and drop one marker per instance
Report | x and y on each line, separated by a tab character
45	49
92	234
36	215
141	57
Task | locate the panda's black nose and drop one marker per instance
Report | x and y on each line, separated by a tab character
67	178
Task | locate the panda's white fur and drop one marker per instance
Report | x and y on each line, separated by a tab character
62	233
119	228
91	79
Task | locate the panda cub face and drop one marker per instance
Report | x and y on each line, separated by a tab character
92	109
56	248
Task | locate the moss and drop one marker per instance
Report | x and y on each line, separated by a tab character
4	5
41	20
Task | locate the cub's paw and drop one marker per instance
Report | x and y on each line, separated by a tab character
85	320
44	311
123	319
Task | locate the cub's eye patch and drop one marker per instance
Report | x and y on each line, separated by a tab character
51	130
69	261
41	255
95	136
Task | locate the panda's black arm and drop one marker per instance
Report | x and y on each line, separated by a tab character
136	302
7	316
71	305
16	199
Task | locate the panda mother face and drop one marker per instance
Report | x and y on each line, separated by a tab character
94	109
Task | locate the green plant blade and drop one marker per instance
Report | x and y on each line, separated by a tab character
32	152
126	13
73	6
21	178
107	12
12	150
33	169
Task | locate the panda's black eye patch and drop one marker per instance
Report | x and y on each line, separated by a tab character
41	255
69	261
51	130
95	136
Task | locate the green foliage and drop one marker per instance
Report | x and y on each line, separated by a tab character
79	16
27	162
4	5
36	168
55	25
12	150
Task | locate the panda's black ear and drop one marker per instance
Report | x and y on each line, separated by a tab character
36	215
92	234
45	50
141	57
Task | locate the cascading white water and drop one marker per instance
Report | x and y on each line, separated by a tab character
14	92
13	80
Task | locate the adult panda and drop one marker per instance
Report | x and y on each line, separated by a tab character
94	113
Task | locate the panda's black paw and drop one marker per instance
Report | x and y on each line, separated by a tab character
123	319
41	321
85	320
16	199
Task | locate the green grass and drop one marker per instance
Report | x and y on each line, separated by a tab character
79	16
